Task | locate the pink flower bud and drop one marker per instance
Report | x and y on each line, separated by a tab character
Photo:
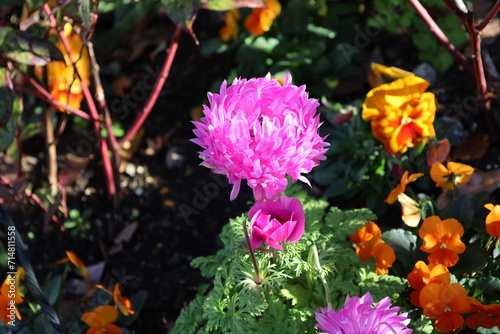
278	221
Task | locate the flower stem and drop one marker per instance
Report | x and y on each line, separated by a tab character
322	275
258	279
156	89
51	152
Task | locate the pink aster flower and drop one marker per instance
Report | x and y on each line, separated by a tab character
359	317
277	221
260	131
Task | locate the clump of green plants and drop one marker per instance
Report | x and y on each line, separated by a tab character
319	269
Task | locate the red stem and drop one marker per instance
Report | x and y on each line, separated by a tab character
45	95
108	167
477	61
148	106
487	19
440	36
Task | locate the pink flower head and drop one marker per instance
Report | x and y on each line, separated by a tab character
359	317
260	131
277	221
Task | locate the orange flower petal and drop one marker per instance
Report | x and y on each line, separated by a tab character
410	212
123	303
448	322
75	260
493	220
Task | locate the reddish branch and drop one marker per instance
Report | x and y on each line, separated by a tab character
156	89
108	167
440	36
477	69
487	19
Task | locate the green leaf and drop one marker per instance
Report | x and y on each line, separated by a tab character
462	210
52	287
7	135
231	4
6	98
27	49
183	13
404	244
84	9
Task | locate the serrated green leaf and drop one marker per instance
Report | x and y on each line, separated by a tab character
26	49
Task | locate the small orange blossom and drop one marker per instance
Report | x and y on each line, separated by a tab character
493	220
442	240
101	320
261	19
424	274
446	303
75	260
231	29
401	187
123	303
452	175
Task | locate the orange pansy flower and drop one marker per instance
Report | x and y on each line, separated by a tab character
369	244
401	113
75	260
231	29
101	320
63	77
452	175
442	240
485	316
384	257
493	220
123	303
380	74
261	19
9	298
424	274
445	303
401	187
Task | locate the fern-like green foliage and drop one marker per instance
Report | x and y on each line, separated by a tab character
292	287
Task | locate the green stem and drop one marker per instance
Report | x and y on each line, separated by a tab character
258	279
322	275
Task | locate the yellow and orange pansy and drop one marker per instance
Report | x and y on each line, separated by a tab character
64	78
401	113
